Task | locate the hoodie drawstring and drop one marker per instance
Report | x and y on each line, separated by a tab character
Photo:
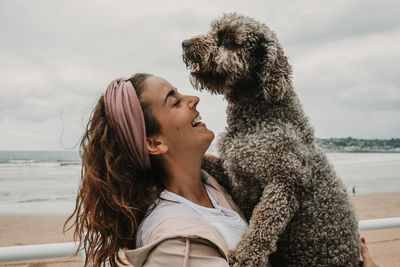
187	250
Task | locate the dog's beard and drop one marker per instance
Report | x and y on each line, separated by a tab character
211	82
200	77
203	75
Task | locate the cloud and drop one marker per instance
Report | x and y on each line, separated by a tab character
57	57
359	74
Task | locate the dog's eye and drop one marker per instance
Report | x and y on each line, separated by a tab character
226	39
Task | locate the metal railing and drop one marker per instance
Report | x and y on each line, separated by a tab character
42	251
379	224
58	250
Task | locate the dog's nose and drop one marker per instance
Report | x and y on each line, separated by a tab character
187	43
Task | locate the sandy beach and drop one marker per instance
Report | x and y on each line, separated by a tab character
383	245
16	230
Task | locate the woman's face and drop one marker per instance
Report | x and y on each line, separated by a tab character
176	115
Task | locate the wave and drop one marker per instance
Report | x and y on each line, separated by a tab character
20	163
17	161
29	157
32	161
70	163
45	199
34	200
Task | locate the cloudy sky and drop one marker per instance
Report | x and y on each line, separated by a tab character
57	57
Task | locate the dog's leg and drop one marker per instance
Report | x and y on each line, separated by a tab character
213	166
270	217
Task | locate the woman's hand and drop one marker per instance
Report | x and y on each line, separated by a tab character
367	261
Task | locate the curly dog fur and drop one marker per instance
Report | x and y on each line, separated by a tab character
299	210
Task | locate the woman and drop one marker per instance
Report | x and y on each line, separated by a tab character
142	188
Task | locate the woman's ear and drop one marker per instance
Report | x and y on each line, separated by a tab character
156	146
276	72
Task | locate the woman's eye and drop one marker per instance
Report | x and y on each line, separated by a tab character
177	102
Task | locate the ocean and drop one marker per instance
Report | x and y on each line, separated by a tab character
46	182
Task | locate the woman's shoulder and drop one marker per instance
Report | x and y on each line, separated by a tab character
164	208
167	207
172	238
222	197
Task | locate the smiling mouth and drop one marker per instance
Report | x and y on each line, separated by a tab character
196	122
193	66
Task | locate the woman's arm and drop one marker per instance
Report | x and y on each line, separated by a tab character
185	252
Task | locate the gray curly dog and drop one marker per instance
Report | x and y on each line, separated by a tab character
299	211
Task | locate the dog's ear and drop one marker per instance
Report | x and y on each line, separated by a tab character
275	71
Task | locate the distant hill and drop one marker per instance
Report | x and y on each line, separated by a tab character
350	144
359	145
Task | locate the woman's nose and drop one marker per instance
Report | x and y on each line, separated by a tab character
193	101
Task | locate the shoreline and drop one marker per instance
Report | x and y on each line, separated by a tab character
27	229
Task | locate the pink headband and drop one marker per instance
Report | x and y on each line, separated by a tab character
126	118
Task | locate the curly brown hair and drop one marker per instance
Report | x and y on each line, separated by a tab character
113	196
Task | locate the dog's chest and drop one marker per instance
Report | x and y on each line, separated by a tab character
245	117
234	149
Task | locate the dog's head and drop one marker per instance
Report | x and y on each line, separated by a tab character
237	51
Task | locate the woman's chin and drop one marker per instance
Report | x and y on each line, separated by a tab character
211	136
209	140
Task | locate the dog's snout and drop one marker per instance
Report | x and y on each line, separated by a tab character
187	43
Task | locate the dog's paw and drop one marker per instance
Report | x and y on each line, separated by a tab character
232	259
237	259
243	258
